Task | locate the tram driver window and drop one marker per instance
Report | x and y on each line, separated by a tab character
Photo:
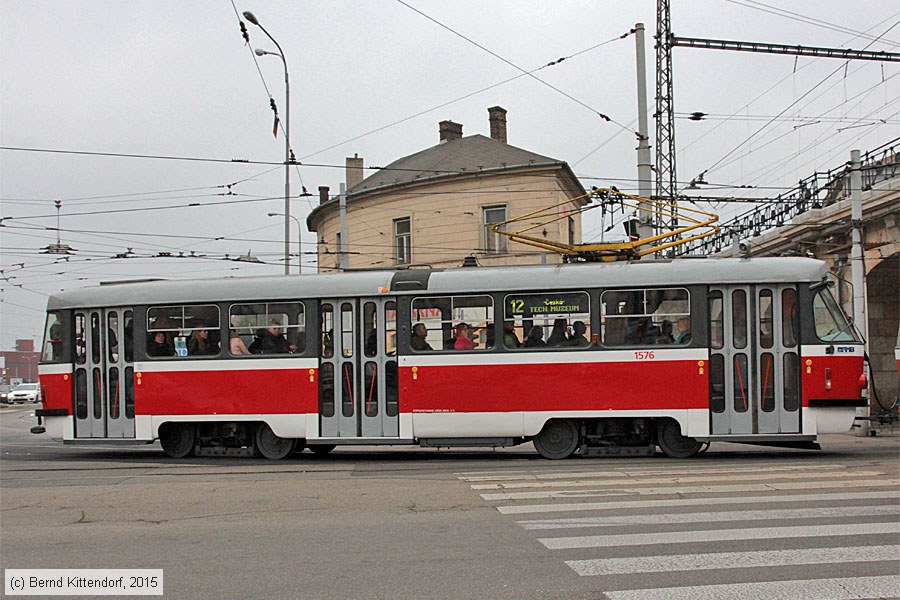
182	331
267	328
645	317
454	323
53	338
550	320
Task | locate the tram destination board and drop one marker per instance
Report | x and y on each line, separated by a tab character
527	305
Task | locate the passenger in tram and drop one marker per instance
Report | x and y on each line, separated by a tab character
417	340
271	341
665	333
559	336
577	339
159	345
463	337
489	335
199	344
236	344
684	331
56	340
510	339
535	338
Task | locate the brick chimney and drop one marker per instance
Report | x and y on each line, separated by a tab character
449	131
323	194
497	117
354	171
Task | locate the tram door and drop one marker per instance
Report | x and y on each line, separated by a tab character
104	373
358	385
754	360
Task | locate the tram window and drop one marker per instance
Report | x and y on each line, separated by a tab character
172	330
716	321
81	404
767	377
443	315
347	389
80	347
267	328
112	339
390	328
547	320
831	324
112	391
129	392
739	319
789	324
717	383
740	383
95	337
791	382
371	389
97	393
53	338
327	328
346	330
391	404
129	336
766	319
645	317
326	390
370	330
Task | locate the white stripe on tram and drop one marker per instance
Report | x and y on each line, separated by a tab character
700	489
844	588
673	480
712	517
562	357
248	364
734	560
738	500
505	476
717	535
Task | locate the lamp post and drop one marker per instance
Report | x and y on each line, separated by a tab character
299	242
287	140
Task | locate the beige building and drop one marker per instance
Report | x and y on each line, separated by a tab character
436	207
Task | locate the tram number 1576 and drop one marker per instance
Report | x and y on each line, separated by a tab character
647	355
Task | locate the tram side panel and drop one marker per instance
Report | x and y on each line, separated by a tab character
281	392
515	395
58	403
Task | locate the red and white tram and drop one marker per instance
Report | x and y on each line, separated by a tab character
602	358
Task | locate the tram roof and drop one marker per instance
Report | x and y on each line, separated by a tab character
643	273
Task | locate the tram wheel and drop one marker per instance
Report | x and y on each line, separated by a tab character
558	439
322	449
177	439
270	445
672	443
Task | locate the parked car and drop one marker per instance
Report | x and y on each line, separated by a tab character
25	392
4	393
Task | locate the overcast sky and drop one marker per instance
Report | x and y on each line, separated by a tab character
374	77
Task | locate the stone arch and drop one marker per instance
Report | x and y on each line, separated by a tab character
883	304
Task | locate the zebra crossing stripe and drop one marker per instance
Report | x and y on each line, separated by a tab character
717	535
844	588
674	480
713	517
742	501
733	560
506	476
701	489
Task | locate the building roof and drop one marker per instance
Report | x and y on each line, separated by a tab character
464	155
453	158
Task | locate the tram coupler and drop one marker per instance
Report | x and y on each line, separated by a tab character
38	429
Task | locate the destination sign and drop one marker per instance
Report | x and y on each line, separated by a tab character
528	305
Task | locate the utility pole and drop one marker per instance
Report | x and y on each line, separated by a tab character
645	169
666	182
858	273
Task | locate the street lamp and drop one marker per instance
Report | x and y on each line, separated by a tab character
299	236
287	140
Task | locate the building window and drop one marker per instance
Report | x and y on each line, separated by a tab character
402	241
494	243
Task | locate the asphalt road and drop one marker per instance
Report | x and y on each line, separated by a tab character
736	522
